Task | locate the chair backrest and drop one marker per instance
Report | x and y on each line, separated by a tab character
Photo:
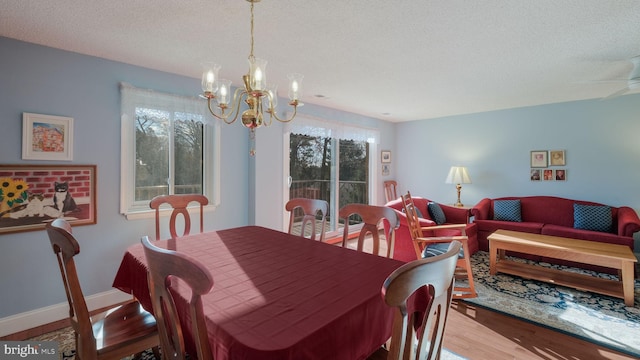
65	247
390	190
437	275
371	216
179	203
164	267
413	221
310	209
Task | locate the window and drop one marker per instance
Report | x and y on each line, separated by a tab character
332	162
168	147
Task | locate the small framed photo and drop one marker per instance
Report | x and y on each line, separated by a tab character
535	174
557	158
539	159
47	137
385	170
386	156
547	174
560	174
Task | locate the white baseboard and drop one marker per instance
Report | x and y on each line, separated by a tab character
38	317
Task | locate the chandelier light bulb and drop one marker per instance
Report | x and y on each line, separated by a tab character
295	86
257	69
209	78
272	89
224	90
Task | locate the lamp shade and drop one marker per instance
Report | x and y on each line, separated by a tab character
458	175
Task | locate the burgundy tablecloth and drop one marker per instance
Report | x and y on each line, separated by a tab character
277	296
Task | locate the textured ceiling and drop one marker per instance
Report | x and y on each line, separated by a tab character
412	59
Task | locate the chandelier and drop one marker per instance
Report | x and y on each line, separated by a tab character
256	94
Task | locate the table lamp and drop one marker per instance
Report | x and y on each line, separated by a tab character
458	175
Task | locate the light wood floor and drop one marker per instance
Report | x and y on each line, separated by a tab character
478	333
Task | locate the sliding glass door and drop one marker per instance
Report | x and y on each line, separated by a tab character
332	169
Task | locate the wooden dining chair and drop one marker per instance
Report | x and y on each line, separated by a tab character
166	267
426	246
390	190
372	217
310	209
111	334
436	276
179	203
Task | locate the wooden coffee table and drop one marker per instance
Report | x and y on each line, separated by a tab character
619	257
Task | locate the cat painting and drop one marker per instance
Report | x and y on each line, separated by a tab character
37	205
62	199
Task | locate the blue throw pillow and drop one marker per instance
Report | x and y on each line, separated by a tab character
592	217
507	210
436	213
439	249
418	212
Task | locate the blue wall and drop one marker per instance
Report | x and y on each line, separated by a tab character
600	139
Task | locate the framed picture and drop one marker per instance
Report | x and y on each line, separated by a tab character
539	159
386	156
535	174
547	174
557	158
47	137
33	195
560	174
385	169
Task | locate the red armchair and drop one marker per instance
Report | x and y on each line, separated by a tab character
404	250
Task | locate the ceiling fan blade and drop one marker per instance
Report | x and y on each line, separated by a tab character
617	93
610	81
633	82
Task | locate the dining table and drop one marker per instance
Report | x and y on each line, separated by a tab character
277	295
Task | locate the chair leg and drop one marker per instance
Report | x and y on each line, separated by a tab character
156	352
465	265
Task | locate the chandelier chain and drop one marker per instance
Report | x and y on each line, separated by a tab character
251	53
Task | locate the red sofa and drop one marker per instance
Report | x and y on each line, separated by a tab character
554	216
404	250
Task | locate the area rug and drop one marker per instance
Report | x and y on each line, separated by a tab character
66	344
595	318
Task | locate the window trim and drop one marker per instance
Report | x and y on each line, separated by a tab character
210	171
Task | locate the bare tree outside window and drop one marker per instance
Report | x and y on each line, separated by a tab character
314	163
